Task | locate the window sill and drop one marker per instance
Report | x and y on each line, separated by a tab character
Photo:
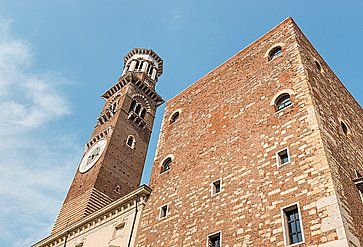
215	194
130	146
163	172
172	123
284	164
281	110
275	58
162	218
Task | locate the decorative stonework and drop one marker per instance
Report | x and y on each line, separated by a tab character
94	222
106	132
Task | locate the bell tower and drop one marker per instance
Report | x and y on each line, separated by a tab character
114	156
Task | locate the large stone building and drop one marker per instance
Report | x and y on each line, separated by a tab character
264	150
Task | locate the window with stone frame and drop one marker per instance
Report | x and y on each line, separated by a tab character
143	113
344	127
283	157
282	101
113	108
318	65
130	142
216	186
275	53
214	240
174	117
163	212
292	225
165	166
133	105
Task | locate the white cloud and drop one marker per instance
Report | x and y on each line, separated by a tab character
36	166
28	100
176	20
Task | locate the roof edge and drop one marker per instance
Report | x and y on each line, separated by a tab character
282	23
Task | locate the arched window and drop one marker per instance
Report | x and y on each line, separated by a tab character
344	128
140	66
130	141
137	108
132	106
149	68
318	65
174	117
274	53
137	64
113	107
282	101
142	113
166	165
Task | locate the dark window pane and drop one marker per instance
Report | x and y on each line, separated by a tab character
282	101
275	52
130	141
214	240
174	118
284	158
293	223
166	165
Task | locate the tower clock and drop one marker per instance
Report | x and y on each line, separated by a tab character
114	157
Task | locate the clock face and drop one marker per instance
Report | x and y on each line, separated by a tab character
91	157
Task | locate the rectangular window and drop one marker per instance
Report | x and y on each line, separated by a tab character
163	211
216	186
214	240
282	157
292	225
358	181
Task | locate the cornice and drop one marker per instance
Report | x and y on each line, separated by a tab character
130	78
92	221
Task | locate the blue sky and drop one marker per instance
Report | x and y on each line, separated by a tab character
58	57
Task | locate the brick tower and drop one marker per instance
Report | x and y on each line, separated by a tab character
114	157
265	150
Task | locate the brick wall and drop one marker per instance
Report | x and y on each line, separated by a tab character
229	130
334	104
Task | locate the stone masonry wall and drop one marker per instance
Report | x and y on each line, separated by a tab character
229	130
345	152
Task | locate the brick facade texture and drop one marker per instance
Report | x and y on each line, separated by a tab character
119	169
228	129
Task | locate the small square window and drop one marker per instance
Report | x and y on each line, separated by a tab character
214	240
283	157
292	225
163	211
216	186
